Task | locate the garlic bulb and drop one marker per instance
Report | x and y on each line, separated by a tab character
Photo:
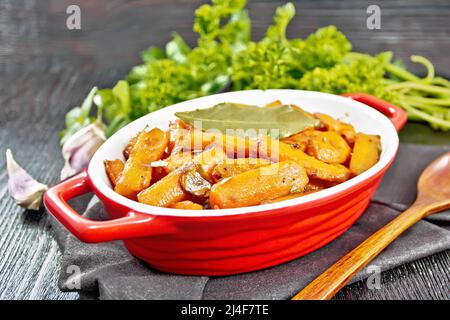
80	147
25	191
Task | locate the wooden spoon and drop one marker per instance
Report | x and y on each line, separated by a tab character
433	196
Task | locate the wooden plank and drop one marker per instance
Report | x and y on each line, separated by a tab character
424	279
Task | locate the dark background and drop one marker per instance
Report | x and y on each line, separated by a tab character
45	69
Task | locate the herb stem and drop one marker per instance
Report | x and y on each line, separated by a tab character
401	73
421	87
441	81
427	64
443	124
429	101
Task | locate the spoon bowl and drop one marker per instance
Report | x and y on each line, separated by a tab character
434	182
433	196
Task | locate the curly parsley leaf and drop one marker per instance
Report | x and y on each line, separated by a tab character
225	57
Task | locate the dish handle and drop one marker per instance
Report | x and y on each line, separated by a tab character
395	114
133	225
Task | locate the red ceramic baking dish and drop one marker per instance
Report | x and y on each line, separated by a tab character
231	241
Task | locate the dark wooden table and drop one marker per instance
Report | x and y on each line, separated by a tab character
45	69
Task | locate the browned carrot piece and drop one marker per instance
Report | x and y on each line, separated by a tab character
113	169
344	129
233	146
237	147
129	147
298	141
317	185
137	174
288	197
278	151
312	187
194	140
366	152
187	205
177	160
276	103
178	131
328	146
258	185
181	124
209	158
166	191
232	167
291	196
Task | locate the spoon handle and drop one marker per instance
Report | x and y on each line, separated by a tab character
334	278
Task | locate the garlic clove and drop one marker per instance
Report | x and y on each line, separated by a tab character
80	147
25	191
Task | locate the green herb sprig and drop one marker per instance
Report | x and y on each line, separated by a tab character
226	57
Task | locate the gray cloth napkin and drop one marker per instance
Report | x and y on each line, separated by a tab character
109	271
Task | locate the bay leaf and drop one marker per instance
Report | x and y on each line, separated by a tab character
278	122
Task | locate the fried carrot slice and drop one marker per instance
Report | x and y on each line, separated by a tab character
113	169
328	146
237	147
344	129
291	196
194	140
178	130
232	145
232	167
288	197
276	103
312	187
298	141
258	185
177	160
187	205
181	124
278	151
317	185
209	158
166	191
366	152
137	174
129	147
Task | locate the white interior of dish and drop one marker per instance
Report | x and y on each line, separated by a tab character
361	116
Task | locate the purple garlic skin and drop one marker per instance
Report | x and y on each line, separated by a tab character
25	191
80	147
